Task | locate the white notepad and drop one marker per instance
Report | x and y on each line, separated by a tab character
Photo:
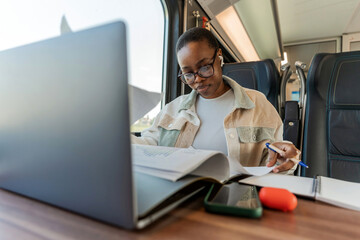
333	191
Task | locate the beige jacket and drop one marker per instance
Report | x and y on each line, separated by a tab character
253	122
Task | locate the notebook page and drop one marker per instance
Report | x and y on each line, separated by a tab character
302	186
340	193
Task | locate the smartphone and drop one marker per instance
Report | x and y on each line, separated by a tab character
234	199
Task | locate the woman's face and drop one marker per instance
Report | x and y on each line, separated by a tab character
195	55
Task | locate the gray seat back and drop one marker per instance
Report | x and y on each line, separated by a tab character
332	117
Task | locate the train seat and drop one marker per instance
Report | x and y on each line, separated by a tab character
260	75
332	117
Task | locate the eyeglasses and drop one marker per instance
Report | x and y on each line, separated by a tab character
205	72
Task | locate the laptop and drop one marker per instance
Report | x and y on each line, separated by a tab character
64	130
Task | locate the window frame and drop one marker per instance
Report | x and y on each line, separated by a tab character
171	85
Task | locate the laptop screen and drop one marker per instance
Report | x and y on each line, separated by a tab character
64	123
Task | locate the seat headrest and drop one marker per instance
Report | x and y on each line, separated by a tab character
346	82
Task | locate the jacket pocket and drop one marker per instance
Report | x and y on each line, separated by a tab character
252	144
255	134
170	129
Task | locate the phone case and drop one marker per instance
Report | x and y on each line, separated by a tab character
231	210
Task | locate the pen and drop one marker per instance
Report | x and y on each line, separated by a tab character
277	150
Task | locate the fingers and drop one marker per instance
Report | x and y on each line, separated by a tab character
284	166
273	156
289	149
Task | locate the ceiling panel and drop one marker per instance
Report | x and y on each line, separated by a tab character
314	19
258	19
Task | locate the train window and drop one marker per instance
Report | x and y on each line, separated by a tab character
23	22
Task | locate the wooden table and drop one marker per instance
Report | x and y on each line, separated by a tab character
22	218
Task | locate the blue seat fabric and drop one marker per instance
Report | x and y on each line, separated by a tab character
260	75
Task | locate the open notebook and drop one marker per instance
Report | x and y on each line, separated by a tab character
333	191
174	163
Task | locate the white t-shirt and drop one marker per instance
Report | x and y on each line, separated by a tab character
211	113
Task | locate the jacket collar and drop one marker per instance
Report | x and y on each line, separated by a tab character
242	100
